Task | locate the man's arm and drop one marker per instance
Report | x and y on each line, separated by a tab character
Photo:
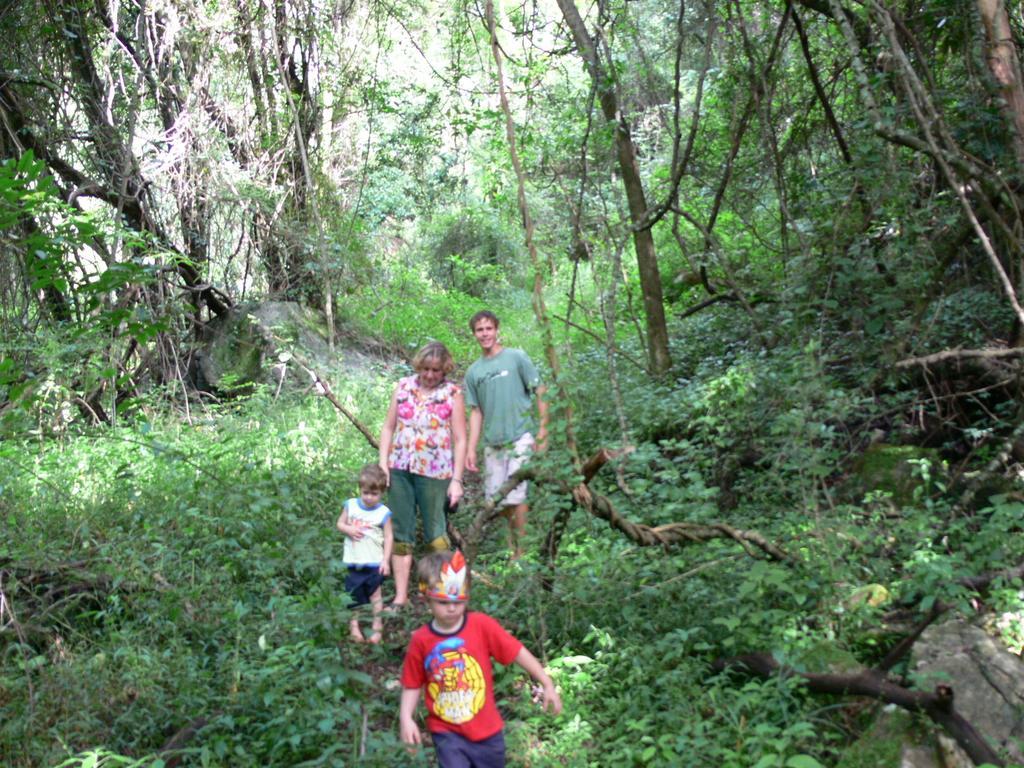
542	414
407	728
476	422
552	701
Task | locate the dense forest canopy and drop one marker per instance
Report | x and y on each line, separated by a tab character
769	254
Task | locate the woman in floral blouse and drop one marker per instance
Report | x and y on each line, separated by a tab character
423	450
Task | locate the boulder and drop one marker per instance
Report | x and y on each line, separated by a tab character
988	689
233	354
893	470
987	680
230	356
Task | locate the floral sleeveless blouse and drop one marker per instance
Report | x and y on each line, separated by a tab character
422	443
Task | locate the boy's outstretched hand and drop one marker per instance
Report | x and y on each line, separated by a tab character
550	700
409	732
547	696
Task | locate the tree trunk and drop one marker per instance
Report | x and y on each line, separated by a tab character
173	76
115	159
643	241
1004	65
295	54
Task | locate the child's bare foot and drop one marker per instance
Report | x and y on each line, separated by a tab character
375	638
356	635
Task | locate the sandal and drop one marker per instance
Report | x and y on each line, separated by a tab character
393	607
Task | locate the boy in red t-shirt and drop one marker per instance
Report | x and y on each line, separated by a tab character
449	659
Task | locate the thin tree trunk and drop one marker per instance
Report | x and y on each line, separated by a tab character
561	397
130	207
1004	65
643	241
528	231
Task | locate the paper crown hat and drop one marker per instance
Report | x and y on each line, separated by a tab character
451	585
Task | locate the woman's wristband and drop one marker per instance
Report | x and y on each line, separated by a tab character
456	480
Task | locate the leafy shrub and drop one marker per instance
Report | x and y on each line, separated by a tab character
208	585
471	250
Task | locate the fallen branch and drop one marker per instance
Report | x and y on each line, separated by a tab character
707	303
488	512
995	465
490	509
319	383
46	591
962	354
593	465
902	648
325	389
600	506
678	533
937	705
979	583
982	581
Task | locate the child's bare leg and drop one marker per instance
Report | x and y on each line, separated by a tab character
377	601
354	631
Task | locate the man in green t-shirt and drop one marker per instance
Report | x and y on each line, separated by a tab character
500	389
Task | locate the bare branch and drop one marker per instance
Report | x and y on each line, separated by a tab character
937	705
961	354
643	535
320	384
615	348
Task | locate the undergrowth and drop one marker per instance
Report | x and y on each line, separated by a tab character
173	590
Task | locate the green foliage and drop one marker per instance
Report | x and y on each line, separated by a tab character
410	312
101	758
209	566
473	251
657	707
170	572
407	309
213	581
339	257
65	353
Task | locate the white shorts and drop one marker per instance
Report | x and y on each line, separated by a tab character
500	463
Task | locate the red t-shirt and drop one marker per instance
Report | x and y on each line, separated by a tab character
455	674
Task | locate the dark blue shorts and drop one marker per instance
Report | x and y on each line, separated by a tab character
361	582
455	751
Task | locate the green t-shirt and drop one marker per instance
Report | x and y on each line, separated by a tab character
501	387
